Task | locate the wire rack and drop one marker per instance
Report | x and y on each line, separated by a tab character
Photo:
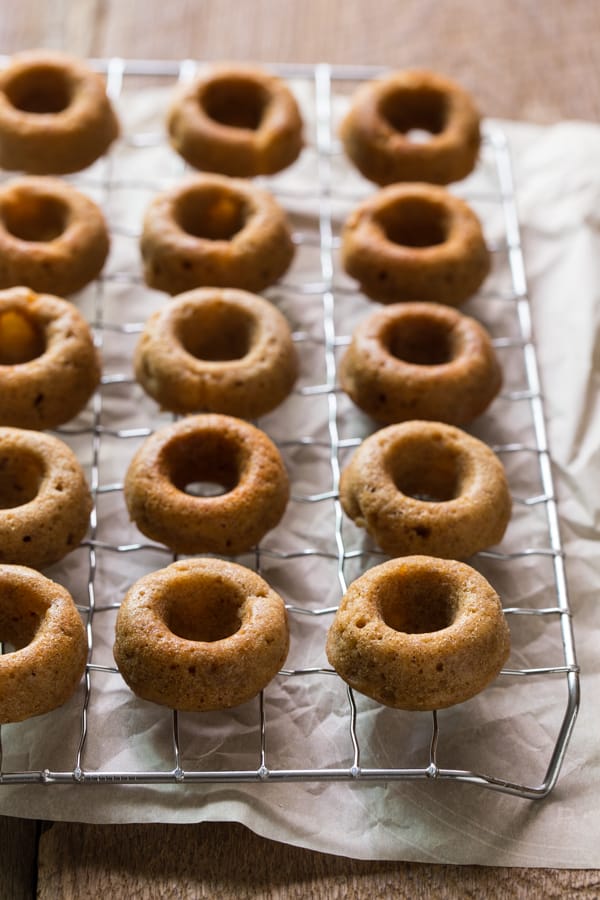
307	725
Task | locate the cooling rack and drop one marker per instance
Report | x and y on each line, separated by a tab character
307	725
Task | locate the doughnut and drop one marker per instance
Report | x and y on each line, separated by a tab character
214	231
376	131
55	116
49	366
236	120
45	502
53	238
421	361
200	634
415	242
207	451
223	351
427	488
40	620
419	633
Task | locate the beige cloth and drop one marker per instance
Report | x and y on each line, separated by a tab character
508	731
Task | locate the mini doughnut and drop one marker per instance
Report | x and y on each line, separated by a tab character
55	116
53	238
213	231
213	450
40	620
45	502
201	634
427	488
236	120
211	350
421	361
419	633
415	242
376	131
49	366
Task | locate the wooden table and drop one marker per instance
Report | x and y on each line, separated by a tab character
521	59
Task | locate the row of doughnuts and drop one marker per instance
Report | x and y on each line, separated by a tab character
225	210
419	487
408	242
56	118
204	634
229	351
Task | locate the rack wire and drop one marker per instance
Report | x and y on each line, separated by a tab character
150	745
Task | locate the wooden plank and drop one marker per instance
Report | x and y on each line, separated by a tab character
229	861
18	851
521	58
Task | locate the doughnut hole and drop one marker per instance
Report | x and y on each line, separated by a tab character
427	470
416	114
414	222
419	340
21	473
421	604
41	89
21	339
206	465
211	214
21	613
35	217
210	614
235	102
217	333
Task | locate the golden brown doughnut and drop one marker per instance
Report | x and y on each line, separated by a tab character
49	366
415	242
200	634
45	502
421	361
236	120
419	633
53	238
207	449
376	131
212	350
427	488
55	116
39	619
213	231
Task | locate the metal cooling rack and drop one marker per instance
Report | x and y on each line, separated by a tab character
323	83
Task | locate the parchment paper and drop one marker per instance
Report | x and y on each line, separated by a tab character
510	729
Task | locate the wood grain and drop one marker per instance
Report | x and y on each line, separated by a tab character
521	59
18	850
205	861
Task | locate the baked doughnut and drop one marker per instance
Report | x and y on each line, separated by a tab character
421	361
376	131
40	620
419	633
53	238
236	120
415	242
45	502
200	634
211	350
427	488
212	450
49	366
213	231
55	116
